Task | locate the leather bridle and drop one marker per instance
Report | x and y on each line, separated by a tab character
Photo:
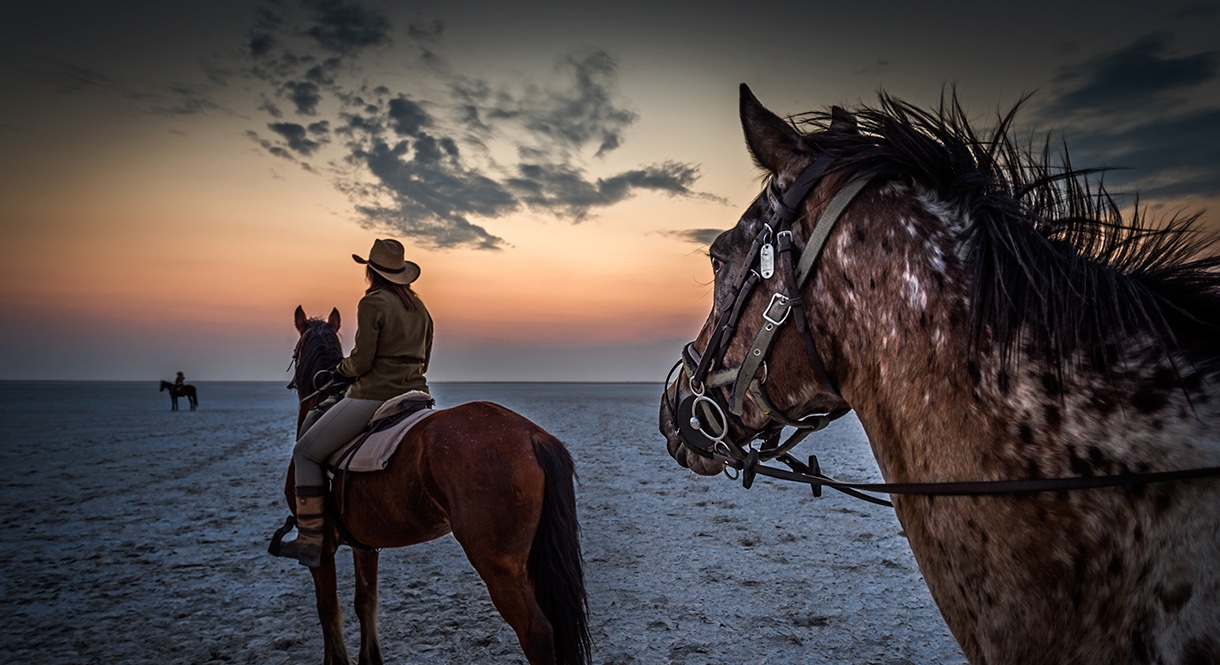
702	419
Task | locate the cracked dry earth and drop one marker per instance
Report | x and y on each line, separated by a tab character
132	534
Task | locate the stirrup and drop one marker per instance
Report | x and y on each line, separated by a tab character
277	538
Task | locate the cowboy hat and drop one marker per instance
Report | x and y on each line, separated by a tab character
386	259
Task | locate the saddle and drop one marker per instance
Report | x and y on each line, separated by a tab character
371	449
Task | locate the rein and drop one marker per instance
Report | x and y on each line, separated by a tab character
702	418
810	474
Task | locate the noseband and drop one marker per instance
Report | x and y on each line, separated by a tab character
702	418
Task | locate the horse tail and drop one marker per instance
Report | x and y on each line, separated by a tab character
555	563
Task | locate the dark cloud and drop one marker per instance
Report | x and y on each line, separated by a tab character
567	191
1137	75
346	27
270	147
700	236
406	117
433	193
261	45
568	118
1168	156
305	95
420	163
428	176
453	231
295	136
323	73
270	108
1126	111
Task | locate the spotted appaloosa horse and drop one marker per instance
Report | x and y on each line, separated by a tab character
989	316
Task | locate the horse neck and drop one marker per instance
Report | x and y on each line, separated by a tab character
892	298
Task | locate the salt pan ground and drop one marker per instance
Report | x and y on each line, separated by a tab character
134	534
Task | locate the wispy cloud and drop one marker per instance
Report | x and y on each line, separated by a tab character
346	27
698	236
430	160
1147	110
166	98
1139	75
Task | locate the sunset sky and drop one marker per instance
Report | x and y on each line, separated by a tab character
176	177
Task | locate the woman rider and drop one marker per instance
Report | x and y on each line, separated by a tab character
390	357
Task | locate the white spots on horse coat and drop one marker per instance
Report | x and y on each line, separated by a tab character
914	292
1072	574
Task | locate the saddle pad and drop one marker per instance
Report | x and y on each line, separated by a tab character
412	399
374	454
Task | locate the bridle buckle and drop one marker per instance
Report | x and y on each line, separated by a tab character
777	300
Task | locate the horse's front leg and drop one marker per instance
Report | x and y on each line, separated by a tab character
366	606
326	590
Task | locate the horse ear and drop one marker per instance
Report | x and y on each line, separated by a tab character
772	141
300	319
333	321
843	121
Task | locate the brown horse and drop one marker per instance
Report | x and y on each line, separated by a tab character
502	485
176	391
990	318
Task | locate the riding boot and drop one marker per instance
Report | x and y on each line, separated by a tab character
310	512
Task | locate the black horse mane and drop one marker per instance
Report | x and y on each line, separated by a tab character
1057	269
318	349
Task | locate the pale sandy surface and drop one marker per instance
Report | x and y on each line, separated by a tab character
131	534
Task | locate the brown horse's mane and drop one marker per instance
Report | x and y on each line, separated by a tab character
1056	266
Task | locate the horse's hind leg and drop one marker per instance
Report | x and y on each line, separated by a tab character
326	590
513	595
366	606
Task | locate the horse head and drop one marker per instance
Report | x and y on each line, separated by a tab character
990	318
747	375
318	349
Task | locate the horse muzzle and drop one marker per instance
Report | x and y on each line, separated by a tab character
693	425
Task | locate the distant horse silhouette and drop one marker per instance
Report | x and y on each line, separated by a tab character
185	390
502	485
996	324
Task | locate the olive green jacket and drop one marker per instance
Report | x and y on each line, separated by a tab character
393	347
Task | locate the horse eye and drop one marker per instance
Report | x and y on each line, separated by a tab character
717	264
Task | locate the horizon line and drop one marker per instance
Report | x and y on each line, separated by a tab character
509	381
